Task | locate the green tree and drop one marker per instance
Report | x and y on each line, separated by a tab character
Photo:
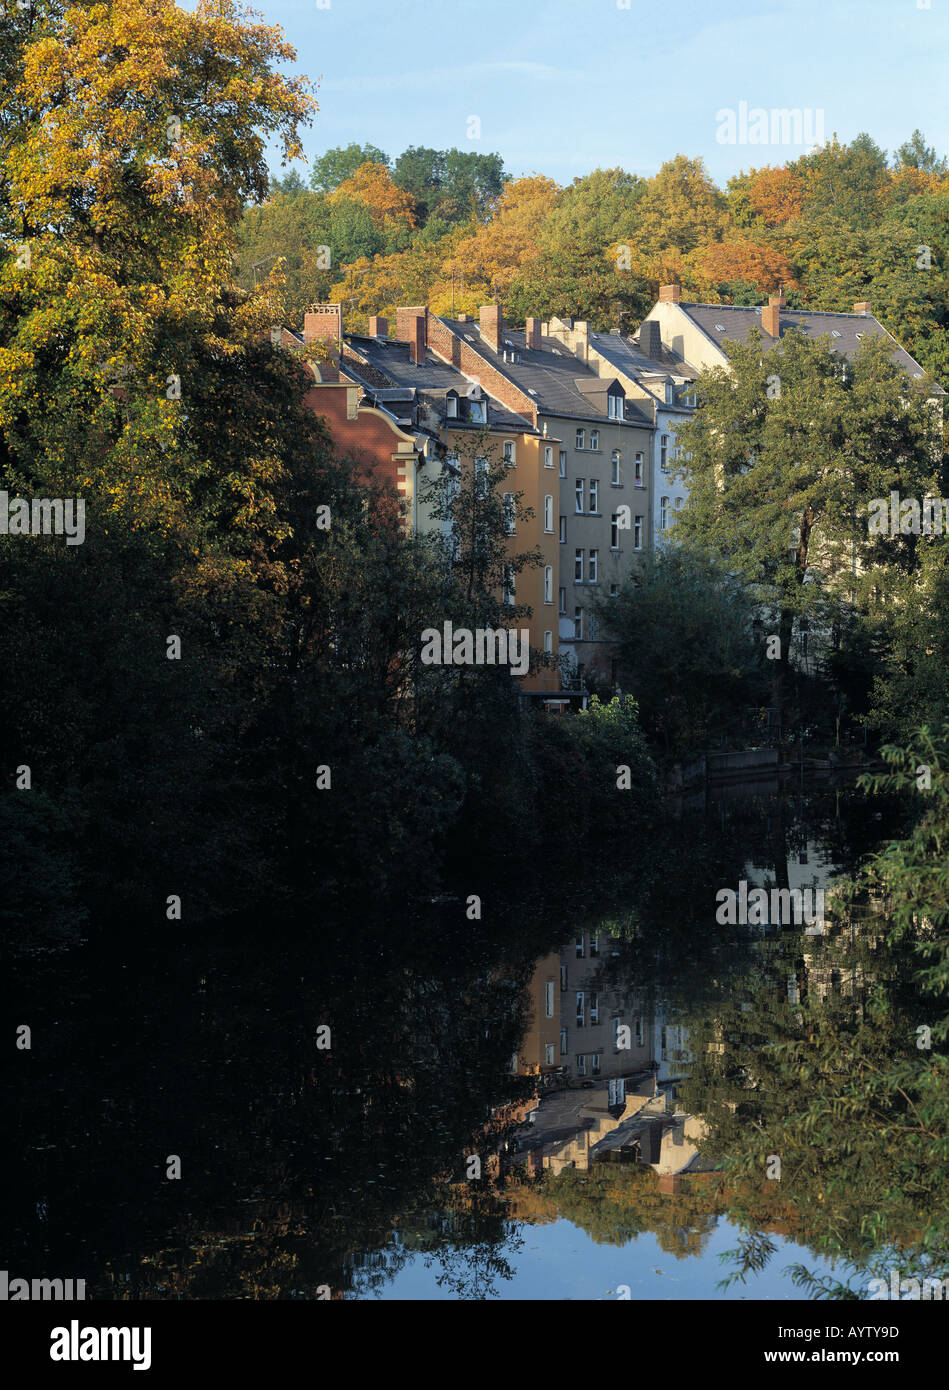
340	163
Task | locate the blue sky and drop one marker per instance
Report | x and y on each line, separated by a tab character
564	86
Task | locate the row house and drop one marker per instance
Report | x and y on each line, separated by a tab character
410	416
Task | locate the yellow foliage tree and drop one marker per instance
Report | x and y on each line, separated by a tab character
385	201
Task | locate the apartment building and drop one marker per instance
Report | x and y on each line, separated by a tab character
662	385
600	441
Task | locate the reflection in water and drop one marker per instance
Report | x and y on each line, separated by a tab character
617	1058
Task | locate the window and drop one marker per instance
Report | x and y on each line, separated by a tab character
614	590
581	1009
637	533
548	456
581	1069
581	435
615	476
549	512
549	998
451	403
563	530
594	1009
581	946
578	628
677	504
639	1032
595	1059
563	977
664	452
593	571
638	470
614	407
594	495
578	493
481	476
509	451
595	944
548	583
510	514
548	642
578	567
477	412
663	513
563	1042
614	531
618	1092
670	393
563	602
594	439
509	584
549	1054
563	463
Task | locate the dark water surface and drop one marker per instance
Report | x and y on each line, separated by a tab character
309	1172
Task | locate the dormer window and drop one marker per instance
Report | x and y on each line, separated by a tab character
670	393
614	407
477	412
451	405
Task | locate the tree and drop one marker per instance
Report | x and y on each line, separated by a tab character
685	648
788	449
340	163
845	181
681	208
372	186
914	153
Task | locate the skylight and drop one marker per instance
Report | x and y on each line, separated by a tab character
531	391
835	333
720	327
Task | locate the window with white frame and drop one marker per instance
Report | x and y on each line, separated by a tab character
664	452
510	514
614	407
581	945
594	494
563	602
548	456
578	624
615	475
549	1054
594	944
595	1060
617	1092
594	1009
594	439
549	998
563	463
548	583
663	513
581	1064
637	533
578	492
482	468
476	411
549	512
451	406
548	642
509	453
677	505
581	1009
581	436
578	567
614	531
670	393
593	566
638	470
563	530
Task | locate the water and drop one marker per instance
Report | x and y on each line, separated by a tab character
348	1171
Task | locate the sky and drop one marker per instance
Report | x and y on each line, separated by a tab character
561	87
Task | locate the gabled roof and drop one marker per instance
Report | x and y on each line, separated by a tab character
386	368
845	331
549	374
625	354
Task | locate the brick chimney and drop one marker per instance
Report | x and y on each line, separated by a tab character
417	341
532	335
862	306
491	323
325	322
670	294
405	322
771	316
378	327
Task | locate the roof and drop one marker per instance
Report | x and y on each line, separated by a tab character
625	354
845	331
550	374
391	376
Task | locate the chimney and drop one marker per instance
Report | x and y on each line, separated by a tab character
532	335
771	316
491	323
581	339
862	307
670	294
324	322
405	330
378	327
650	339
417	342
